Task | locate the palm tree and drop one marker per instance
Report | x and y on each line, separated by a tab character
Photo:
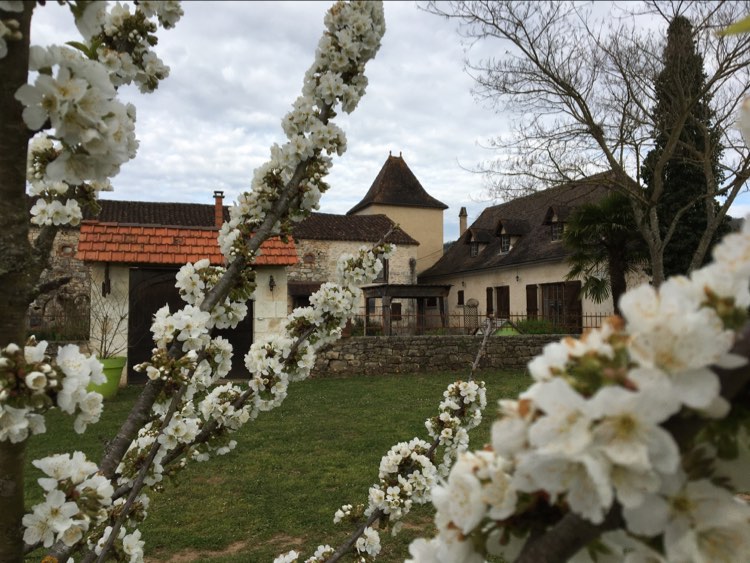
605	246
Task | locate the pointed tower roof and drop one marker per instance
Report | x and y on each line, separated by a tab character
397	185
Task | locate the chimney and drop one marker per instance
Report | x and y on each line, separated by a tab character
462	215
218	208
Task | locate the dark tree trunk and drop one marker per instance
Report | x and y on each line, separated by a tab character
616	281
16	273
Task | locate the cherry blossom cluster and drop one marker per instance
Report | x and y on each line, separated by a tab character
128	546
194	280
460	411
406	475
589	434
321	555
75	94
352	37
122	40
77	497
94	132
31	383
345	512
368	544
351	271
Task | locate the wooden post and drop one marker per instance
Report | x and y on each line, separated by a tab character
386	315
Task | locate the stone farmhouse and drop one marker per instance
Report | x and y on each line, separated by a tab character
128	255
511	263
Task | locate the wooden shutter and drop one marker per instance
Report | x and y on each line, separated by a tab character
490	308
503	301
532	305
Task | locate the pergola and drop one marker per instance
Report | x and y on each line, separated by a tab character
420	293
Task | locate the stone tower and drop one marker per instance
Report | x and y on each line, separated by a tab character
397	193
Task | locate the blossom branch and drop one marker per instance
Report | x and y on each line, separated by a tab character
572	533
139	481
140	412
347	546
379	513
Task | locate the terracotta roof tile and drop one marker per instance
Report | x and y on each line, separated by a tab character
111	242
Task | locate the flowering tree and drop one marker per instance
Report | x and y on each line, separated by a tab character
91	134
77	135
626	429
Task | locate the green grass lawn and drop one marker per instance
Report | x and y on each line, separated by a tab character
292	468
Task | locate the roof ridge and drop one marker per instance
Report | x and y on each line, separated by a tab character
568	184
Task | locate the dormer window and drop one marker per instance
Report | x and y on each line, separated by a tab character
504	243
556	229
555	218
474	248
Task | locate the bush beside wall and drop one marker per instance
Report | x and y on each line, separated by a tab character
376	355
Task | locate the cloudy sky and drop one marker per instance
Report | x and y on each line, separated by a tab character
236	68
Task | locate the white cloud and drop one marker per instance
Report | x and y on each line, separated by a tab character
236	68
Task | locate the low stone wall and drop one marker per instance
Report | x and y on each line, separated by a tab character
376	355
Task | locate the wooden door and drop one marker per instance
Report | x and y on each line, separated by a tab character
150	290
503	301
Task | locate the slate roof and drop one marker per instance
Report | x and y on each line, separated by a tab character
148	244
527	214
513	226
157	213
365	228
396	184
318	226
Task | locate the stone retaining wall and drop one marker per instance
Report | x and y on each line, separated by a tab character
375	355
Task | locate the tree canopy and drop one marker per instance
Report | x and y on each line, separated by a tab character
582	93
695	162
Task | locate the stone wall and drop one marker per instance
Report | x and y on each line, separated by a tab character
318	258
374	355
63	311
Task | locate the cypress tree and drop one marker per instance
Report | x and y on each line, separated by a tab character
679	89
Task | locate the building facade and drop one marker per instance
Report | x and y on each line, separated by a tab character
511	263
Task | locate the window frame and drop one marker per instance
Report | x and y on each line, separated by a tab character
384	275
504	243
556	229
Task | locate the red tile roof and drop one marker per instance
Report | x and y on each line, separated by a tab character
146	244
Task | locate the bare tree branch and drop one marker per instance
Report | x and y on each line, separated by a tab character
583	94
